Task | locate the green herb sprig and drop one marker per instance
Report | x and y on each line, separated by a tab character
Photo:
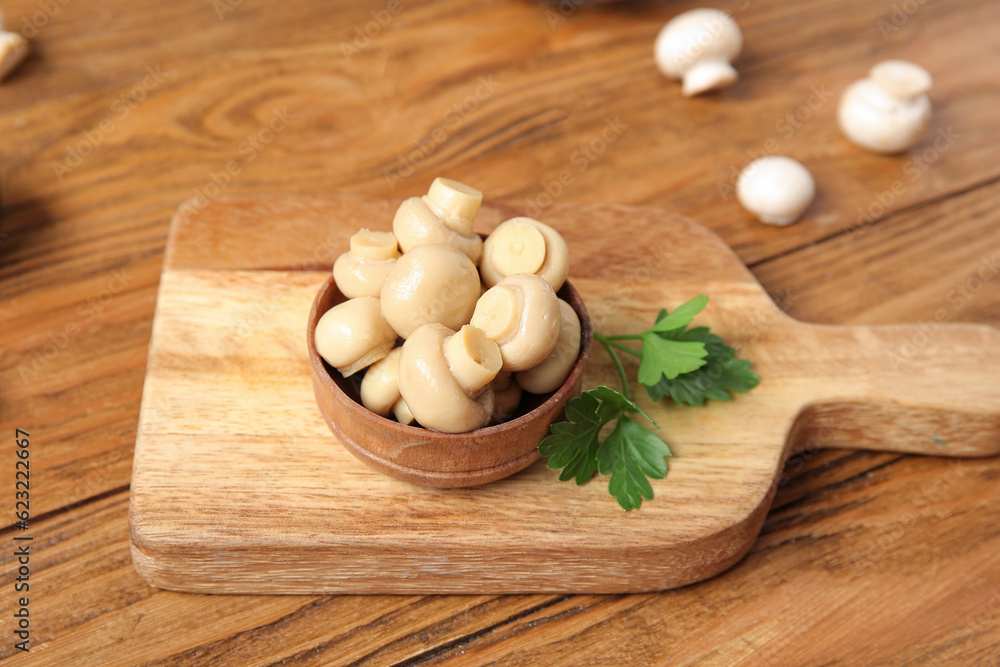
688	365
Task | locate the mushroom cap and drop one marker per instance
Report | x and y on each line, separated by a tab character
521	313
696	35
363	269
417	223
452	200
432	394
888	112
380	386
776	189
430	283
353	335
525	245
549	374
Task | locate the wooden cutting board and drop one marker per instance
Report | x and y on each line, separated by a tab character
238	486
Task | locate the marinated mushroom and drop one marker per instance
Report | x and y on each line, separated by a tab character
506	397
521	313
401	411
443	215
697	46
444	377
552	371
363	269
889	111
431	283
353	335
776	189
525	245
380	389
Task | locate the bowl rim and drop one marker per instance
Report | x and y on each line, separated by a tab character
555	398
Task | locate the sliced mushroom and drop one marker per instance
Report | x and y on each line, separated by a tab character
363	269
444	378
552	371
353	335
431	283
506	397
525	245
521	313
443	215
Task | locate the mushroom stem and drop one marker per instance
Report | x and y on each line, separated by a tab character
518	248
376	246
474	359
455	203
708	74
901	79
498	311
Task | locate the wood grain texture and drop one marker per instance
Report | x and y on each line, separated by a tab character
229	427
894	578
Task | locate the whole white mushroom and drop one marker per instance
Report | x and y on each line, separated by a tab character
698	47
776	189
889	111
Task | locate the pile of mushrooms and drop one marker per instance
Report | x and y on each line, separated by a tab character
449	329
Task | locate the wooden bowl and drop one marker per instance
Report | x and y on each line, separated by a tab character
427	457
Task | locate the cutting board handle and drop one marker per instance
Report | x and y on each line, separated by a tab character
929	388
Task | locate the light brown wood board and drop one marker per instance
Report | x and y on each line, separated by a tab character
239	486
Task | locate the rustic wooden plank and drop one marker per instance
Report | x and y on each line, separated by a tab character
226	341
793	598
112	212
930	265
90	607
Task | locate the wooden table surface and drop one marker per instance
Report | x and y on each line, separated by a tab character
126	109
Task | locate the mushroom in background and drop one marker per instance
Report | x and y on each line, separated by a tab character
889	111
776	189
698	47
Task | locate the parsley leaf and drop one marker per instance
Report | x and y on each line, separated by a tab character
689	365
665	357
722	373
682	315
572	445
612	399
631	454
